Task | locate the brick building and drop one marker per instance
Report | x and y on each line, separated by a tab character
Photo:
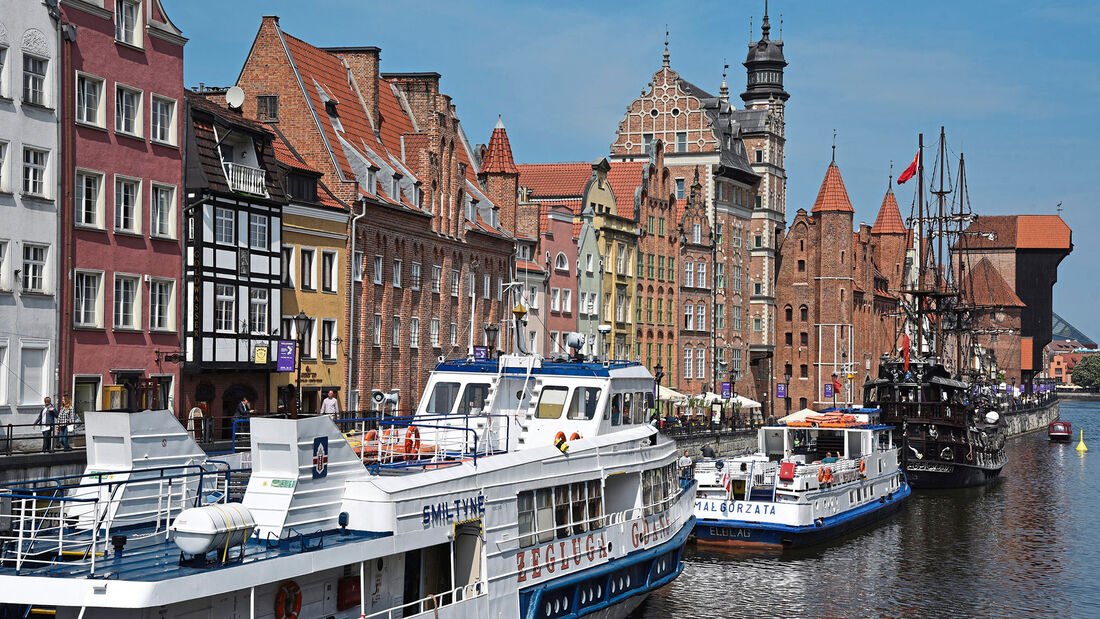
121	248
426	232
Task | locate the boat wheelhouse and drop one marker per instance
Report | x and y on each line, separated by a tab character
1060	431
475	506
802	486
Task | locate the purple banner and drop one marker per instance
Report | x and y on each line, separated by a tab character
828	390
481	353
781	391
286	356
727	391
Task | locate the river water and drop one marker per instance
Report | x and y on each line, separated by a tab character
1027	545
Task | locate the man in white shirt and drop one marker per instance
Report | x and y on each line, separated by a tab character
685	465
331	406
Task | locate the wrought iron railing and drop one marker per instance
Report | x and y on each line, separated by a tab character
247	179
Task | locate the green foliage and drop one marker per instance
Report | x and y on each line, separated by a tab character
1087	372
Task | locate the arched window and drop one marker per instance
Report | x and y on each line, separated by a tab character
788	312
803	313
561	263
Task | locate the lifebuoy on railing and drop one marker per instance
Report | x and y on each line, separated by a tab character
575	436
862	467
821	475
559	441
412	440
288	601
372	435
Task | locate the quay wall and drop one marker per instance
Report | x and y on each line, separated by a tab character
1032	420
725	444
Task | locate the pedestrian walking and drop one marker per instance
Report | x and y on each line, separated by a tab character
331	406
47	419
66	423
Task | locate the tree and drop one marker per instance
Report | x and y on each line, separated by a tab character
1087	371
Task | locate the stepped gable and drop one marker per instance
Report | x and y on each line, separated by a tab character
498	154
833	196
889	219
984	287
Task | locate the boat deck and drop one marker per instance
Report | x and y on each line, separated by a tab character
161	561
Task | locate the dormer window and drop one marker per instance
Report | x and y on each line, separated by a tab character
395	187
301	187
241	164
372	183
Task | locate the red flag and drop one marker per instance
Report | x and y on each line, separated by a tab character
836	385
910	171
905	350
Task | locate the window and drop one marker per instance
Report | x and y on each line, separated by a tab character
679	189
3	92
397	273
647	143
88	304
718	233
32	374
328	339
257	311
267	108
649	266
456	279
689	317
736	317
803	371
34	80
377	269
720	316
443	398
126	205
623	259
376	336
308	335
759	156
500	289
650	225
689	362
34	267
225	308
224	226
660	268
566	300
357	266
757	241
701	318
689	274
757	325
434	332
803	313
306	271
34	171
555	342
162	212
328	271
471	285
552	402
89	100
414	276
395	331
163	122
701	274
287	279
720	276
162	305
126	22
696	233
660	312
588	263
88	211
737	278
486	286
804	339
437	278
801	266
533	297
3	156
454	334
758	288
524	252
758	201
414	332
788	339
681	142
127	111
555	299
701	364
126	306
660	226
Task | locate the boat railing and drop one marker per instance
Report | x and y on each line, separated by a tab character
432	603
71	520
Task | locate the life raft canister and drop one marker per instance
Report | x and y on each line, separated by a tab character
288	601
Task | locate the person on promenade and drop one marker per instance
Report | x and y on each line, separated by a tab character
331	406
244	409
685	465
66	423
708	451
46	421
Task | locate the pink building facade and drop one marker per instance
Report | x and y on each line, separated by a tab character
559	244
121	233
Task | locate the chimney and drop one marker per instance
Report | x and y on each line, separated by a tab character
420	90
363	63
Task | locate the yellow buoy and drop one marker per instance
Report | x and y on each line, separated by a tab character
1081	445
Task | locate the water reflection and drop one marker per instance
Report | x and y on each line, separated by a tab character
1024	546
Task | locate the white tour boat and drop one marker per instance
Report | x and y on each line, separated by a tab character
804	485
522	487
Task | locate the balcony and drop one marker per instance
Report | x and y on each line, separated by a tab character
246	179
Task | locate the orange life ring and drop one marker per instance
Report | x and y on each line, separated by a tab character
829	476
862	467
412	440
821	475
372	435
288	602
575	437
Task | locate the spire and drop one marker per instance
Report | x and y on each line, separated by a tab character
664	62
765	27
724	89
833	196
834	147
498	154
889	219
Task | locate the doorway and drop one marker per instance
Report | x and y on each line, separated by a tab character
468	550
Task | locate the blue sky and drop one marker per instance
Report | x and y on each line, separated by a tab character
1015	83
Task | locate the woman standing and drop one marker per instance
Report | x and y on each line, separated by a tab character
66	422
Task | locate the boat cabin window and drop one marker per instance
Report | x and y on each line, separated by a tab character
616	409
583	404
473	399
443	398
628	405
657	489
565	510
552	402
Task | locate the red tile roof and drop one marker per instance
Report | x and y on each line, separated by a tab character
984	286
285	156
395	122
555	179
624	177
528	266
1042	232
889	219
832	196
498	155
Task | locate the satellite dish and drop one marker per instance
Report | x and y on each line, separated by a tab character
235	97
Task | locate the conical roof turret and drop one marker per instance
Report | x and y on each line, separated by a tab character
889	219
498	154
833	196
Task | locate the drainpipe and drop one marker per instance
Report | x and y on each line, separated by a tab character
66	143
351	300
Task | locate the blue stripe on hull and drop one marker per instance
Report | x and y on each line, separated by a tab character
756	533
597	588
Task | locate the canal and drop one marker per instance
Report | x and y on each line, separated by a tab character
1027	545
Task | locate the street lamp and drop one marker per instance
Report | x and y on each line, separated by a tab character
834	389
657	376
301	323
491	331
787	391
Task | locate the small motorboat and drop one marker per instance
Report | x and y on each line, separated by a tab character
1060	431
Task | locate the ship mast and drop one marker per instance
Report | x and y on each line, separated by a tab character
939	263
920	244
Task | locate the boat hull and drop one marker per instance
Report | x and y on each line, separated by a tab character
935	475
1061	438
740	533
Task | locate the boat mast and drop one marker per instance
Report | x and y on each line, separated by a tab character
938	262
920	244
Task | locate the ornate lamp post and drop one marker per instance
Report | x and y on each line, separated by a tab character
657	376
301	323
787	391
491	331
